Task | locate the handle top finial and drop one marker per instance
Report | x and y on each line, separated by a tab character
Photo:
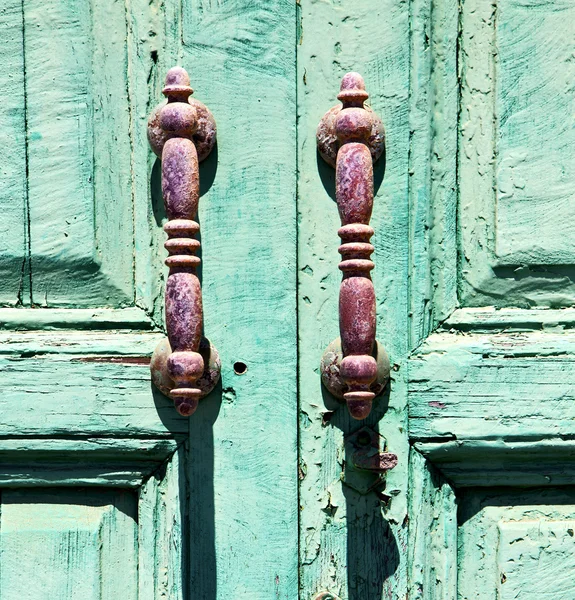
352	90
177	87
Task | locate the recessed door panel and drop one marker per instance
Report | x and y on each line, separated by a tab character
516	142
516	544
68	544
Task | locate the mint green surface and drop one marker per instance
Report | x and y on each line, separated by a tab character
105	491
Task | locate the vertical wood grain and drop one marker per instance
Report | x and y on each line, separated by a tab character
434	103
162	532
351	545
153	42
243	459
68	544
79	153
432	533
14	259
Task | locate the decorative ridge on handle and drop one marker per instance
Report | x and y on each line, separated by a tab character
182	132
351	138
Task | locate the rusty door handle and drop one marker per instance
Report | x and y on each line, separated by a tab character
182	132
351	138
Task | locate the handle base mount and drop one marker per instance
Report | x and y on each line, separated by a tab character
204	137
206	383
330	371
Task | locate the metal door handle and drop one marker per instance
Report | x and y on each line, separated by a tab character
182	132
351	138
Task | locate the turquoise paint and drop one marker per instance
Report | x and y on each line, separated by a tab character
245	500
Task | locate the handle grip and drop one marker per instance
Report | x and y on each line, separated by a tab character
182	132
351	138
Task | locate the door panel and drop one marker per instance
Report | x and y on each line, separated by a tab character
78	154
68	543
243	479
350	544
519	543
489	377
78	408
516	176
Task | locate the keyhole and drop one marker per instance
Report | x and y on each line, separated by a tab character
240	368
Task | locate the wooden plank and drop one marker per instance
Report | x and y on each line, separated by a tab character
80	543
349	544
515	386
509	319
244	532
14	261
74	318
499	463
88	346
162	532
83	395
79	154
433	164
74	462
432	533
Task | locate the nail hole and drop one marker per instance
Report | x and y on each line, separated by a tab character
240	368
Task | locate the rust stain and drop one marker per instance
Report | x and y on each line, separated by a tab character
436	404
123	360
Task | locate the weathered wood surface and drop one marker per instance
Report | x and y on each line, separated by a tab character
433	189
75	175
163	549
68	544
515	386
349	544
60	394
99	542
243	448
432	533
516	176
81	230
496	463
80	319
516	544
14	261
488	319
484	408
81	461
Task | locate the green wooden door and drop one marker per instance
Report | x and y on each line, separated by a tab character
104	490
490	382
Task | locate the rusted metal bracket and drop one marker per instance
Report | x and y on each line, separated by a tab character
367	460
351	138
182	132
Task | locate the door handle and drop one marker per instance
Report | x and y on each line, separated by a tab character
182	132
351	137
